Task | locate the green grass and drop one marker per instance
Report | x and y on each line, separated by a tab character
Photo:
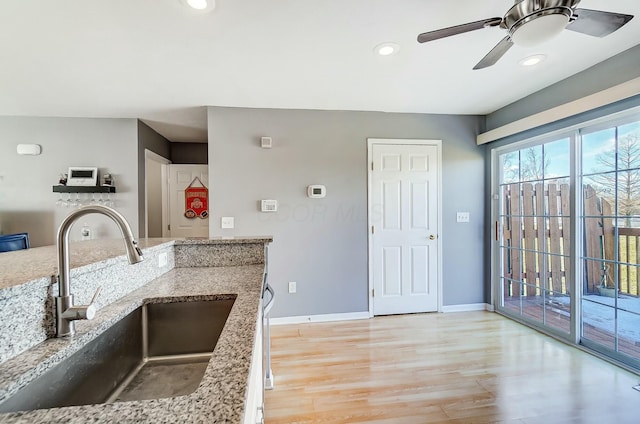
628	278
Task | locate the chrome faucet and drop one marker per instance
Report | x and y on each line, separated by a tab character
66	312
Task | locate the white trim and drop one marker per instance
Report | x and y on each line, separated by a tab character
590	102
149	155
397	141
349	316
468	307
165	199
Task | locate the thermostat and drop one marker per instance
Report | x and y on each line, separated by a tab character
316	191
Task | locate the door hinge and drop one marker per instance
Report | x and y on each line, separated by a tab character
373	292
373	230
169	227
372	166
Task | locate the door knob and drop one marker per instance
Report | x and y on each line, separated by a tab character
432	237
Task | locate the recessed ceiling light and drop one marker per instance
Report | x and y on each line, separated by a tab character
532	60
386	49
200	5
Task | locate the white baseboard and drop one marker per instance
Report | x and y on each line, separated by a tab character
468	307
319	318
365	315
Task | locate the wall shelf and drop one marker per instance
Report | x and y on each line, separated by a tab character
83	189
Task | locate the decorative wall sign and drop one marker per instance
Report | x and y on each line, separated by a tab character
196	200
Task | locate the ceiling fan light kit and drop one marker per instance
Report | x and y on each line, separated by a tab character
532	22
535	30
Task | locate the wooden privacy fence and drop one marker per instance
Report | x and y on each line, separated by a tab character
537	241
527	229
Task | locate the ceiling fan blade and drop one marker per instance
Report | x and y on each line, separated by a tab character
458	29
495	54
598	23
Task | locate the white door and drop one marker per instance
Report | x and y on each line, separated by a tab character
404	218
180	176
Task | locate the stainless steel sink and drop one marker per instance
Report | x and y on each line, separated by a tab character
159	350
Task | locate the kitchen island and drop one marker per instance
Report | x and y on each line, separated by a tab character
189	271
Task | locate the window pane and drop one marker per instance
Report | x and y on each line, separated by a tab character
598	151
510	167
596	274
629	326
556	159
531	164
597	187
532	306
598	321
629	253
558	312
628	148
628	194
511	298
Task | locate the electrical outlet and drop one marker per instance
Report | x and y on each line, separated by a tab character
162	259
227	222
292	287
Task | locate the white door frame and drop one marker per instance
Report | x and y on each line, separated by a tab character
397	141
149	155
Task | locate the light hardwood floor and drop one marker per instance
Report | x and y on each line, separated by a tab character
469	367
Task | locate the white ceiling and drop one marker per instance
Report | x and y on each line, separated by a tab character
160	62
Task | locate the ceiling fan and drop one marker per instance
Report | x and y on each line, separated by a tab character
530	22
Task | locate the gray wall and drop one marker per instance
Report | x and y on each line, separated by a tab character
151	140
613	71
190	153
322	243
27	203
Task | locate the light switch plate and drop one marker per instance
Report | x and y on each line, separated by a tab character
269	205
162	259
227	222
462	217
292	287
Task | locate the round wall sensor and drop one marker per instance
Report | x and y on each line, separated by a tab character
29	149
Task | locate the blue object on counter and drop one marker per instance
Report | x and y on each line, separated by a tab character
11	242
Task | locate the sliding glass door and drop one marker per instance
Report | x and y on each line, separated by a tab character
534	233
611	217
567	249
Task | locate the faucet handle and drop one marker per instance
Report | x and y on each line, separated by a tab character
91	310
77	312
95	295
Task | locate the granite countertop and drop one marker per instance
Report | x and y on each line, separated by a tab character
221	394
40	263
22	266
224	240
